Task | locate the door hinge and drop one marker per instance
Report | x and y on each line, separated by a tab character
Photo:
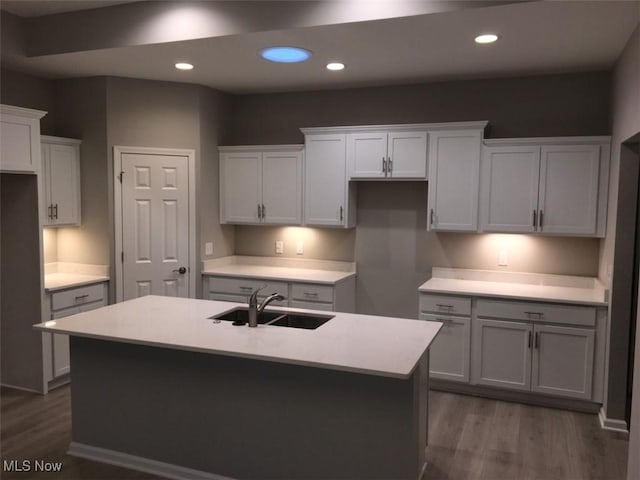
120	176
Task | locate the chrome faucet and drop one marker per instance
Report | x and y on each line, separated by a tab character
255	309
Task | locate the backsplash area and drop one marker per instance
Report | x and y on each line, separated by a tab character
395	254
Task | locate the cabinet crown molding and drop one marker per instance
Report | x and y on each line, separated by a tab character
548	140
60	140
21	111
481	125
261	148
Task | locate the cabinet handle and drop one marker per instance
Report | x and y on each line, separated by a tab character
56	211
311	294
50	212
443	306
539	314
259	212
444	320
264	211
535	216
431	217
384	166
80	297
389	165
341	213
529	339
537	341
540	219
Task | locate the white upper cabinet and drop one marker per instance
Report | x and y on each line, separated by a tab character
548	185
61	169
454	165
261	184
20	139
509	188
327	195
390	154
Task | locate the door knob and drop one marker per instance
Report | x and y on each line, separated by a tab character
181	270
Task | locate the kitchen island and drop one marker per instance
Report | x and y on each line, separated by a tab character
158	386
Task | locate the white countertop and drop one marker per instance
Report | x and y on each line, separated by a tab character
60	281
286	274
365	344
584	291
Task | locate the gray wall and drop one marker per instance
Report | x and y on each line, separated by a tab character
29	92
20	289
393	251
625	124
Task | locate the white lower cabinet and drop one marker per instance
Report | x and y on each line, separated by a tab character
68	302
312	296
540	348
537	347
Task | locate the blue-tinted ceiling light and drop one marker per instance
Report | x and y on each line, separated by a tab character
285	54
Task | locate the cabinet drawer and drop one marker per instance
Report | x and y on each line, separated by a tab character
311	292
328	307
244	286
538	312
445	304
77	296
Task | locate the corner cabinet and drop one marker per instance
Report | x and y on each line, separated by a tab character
61	169
329	199
555	186
20	139
454	166
261	184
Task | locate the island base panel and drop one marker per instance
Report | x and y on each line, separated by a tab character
244	418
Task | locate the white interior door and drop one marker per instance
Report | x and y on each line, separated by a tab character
155	225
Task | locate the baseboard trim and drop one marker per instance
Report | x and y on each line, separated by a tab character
15	387
140	464
527	398
612	424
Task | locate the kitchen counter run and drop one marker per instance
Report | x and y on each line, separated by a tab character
373	345
267	272
59	281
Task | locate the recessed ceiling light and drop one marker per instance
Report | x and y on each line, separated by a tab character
486	38
184	66
285	54
335	66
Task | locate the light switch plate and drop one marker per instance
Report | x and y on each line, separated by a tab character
503	258
208	248
279	247
300	247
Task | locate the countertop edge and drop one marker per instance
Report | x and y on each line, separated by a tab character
73	284
291	278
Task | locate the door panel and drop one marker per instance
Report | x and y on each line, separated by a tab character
155	218
282	187
366	153
241	188
408	154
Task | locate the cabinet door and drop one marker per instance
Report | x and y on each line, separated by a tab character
62	180
563	361
282	187
19	143
367	154
240	187
61	358
449	352
407	152
568	199
502	354
509	189
325	182
454	163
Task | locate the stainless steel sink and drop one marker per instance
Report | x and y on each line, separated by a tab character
277	318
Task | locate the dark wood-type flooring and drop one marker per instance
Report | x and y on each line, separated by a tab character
470	438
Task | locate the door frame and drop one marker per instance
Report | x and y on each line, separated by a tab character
118	150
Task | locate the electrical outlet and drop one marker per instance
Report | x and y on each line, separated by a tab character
279	247
208	248
503	258
300	247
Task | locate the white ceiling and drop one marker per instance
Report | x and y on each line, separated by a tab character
535	38
37	8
